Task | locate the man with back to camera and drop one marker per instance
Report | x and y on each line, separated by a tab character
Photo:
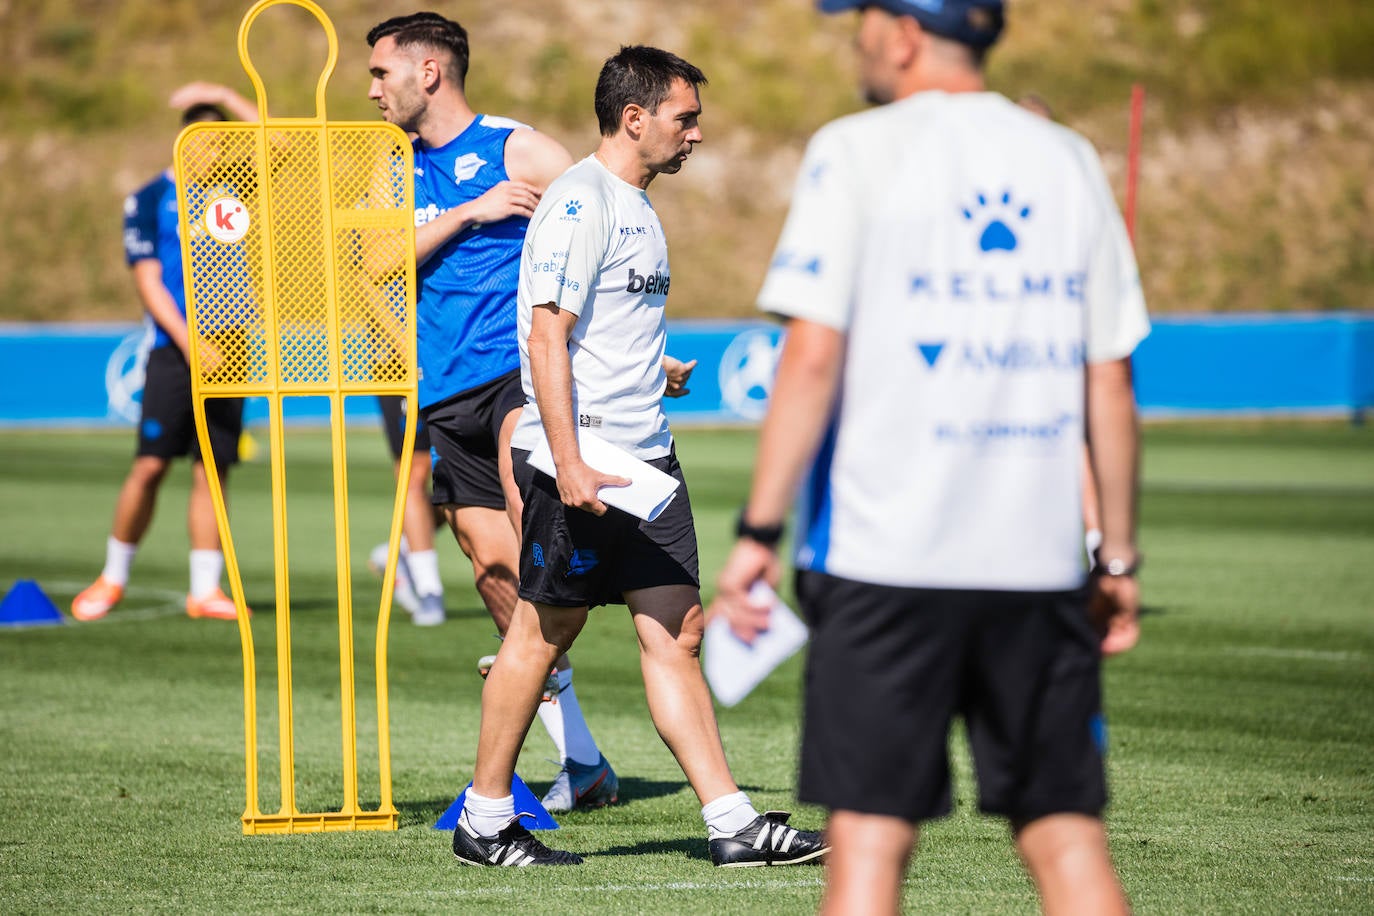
594	280
166	429
477	180
961	303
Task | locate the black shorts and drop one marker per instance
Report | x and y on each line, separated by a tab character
394	425
167	428
572	558
463	435
889	668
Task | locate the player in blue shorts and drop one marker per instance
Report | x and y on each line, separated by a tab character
166	428
477	180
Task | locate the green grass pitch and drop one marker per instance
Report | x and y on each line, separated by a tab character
1242	727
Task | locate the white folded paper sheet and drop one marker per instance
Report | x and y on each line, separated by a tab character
648	495
734	667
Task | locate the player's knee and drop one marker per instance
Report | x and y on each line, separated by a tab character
1061	843
560	626
488	542
680	639
690	636
148	470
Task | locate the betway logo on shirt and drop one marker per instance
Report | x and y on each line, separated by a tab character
428	214
651	285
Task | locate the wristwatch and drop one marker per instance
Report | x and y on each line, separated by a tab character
767	535
1116	567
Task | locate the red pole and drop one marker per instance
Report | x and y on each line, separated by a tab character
1133	156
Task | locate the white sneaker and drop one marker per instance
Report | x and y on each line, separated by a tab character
551	688
430	613
404	590
582	785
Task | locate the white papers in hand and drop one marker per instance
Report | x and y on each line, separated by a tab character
734	667
646	497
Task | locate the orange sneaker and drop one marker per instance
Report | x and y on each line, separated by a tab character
95	602
216	604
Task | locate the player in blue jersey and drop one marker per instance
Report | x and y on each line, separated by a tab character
420	517
477	181
166	428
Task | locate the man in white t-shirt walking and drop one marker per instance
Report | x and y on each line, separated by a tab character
961	304
594	279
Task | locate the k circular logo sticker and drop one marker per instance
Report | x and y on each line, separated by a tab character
226	219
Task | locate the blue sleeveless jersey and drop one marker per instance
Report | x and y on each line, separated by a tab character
466	301
150	232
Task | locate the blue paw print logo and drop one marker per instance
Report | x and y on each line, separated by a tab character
582	562
1000	214
574	207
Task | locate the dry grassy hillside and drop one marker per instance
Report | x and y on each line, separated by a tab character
1255	191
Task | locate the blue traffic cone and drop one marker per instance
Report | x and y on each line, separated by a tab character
525	803
27	606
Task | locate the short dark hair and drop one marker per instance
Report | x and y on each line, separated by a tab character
203	111
428	30
639	75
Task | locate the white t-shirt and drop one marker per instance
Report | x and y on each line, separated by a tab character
973	255
595	247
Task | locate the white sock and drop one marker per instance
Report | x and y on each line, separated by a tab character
487	816
424	572
581	745
119	556
206	568
551	717
728	814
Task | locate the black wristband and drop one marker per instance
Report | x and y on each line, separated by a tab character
767	535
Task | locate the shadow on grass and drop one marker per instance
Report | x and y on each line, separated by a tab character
687	847
468	613
633	788
422	813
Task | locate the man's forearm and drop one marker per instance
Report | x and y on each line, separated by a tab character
436	233
1114	442
551	376
799	411
382	264
160	305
